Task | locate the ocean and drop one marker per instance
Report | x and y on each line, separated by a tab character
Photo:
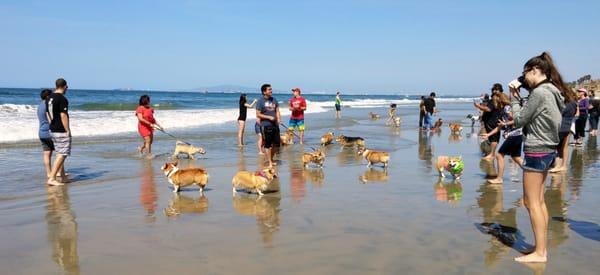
110	113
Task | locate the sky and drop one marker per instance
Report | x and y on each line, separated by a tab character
451	47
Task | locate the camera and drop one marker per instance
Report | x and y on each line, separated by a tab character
523	83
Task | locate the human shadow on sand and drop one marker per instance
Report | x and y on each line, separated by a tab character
83	173
588	230
507	235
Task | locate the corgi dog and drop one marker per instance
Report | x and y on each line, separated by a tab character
437	126
188	149
373	115
397	121
455	128
184	177
350	141
317	157
287	138
257	182
327	138
374	156
454	165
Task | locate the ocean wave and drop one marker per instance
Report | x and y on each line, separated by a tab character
19	122
370	103
123	106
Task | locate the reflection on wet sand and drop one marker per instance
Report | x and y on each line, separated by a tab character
425	150
448	192
297	179
455	138
265	209
500	223
316	176
374	175
148	194
62	229
557	208
182	204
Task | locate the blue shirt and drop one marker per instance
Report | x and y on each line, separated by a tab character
267	107
44	131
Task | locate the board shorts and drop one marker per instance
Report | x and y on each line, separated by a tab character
494	138
512	146
338	107
257	129
271	136
47	144
538	162
296	123
62	143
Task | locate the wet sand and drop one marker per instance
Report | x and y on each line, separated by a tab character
120	216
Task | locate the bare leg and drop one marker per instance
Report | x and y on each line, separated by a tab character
269	156
58	163
533	190
259	141
500	171
492	154
47	157
301	132
241	126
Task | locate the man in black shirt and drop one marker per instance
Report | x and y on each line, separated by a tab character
57	110
429	105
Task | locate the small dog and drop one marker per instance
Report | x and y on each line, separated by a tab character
287	138
454	165
473	118
184	177
438	125
327	138
188	149
317	157
373	115
350	141
374	156
397	121
258	182
455	128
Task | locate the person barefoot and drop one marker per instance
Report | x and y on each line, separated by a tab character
568	115
267	110
146	124
243	105
57	107
297	107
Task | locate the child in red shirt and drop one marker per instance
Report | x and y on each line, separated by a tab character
146	124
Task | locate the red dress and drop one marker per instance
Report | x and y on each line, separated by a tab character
148	114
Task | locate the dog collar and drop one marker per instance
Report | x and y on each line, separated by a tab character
260	174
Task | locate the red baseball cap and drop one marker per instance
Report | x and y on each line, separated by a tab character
297	89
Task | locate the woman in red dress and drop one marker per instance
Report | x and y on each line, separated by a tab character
146	124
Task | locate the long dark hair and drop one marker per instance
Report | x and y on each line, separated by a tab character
545	63
144	100
242	99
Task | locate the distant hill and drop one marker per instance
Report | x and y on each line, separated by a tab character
228	88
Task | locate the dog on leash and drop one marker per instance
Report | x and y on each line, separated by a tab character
455	128
188	149
287	138
317	157
184	177
374	156
327	138
350	141
437	126
454	165
257	182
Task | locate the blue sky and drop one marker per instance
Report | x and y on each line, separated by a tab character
458	47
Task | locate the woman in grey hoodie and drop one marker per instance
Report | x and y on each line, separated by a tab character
540	116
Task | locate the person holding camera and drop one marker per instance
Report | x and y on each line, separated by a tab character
540	116
492	113
581	121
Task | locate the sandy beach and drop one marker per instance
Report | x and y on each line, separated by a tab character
119	215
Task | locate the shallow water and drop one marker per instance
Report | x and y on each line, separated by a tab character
120	216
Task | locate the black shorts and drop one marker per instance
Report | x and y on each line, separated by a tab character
511	146
338	107
271	136
494	138
47	144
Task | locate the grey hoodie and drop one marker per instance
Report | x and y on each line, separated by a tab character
540	117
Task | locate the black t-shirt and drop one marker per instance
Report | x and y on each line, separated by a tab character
492	117
429	104
243	111
56	104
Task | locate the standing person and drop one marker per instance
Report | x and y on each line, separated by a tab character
297	106
568	115
540	117
421	111
580	122
267	110
492	114
430	109
513	137
338	105
44	134
57	111
146	124
242	117
594	113
391	114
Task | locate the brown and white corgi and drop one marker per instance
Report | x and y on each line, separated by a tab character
327	138
287	138
455	128
184	177
350	141
317	157
374	156
188	149
253	181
